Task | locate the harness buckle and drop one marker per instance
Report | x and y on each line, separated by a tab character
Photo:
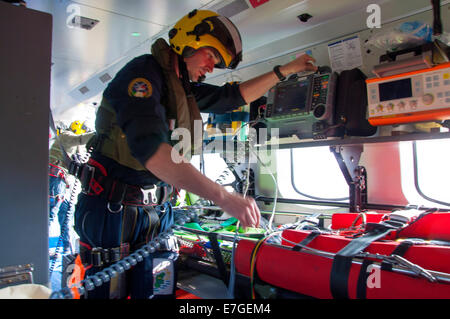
145	194
96	257
86	176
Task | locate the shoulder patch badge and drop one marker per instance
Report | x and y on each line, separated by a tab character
140	87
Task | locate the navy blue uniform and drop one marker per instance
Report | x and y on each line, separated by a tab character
143	120
137	94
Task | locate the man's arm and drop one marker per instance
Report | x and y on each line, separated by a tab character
183	175
253	89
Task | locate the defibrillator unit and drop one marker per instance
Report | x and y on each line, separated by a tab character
303	106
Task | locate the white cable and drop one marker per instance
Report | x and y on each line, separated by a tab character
275	197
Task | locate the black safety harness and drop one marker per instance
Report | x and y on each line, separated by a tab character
96	182
120	197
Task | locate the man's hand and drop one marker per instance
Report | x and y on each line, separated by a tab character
300	64
244	209
183	175
253	89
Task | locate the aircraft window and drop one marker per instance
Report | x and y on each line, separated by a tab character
425	172
314	174
431	170
215	168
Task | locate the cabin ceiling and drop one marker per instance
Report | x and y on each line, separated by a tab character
84	60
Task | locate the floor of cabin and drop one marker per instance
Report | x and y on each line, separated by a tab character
201	285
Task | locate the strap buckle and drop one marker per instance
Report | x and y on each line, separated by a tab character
86	176
75	169
106	256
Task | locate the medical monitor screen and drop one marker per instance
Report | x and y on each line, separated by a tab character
291	98
395	90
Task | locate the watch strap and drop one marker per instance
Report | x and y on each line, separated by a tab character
277	71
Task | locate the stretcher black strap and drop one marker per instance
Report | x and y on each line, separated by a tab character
218	257
361	287
400	250
343	260
306	240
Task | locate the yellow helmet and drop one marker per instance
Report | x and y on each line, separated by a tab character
78	127
204	28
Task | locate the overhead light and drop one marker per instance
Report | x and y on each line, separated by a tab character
84	90
105	78
136	34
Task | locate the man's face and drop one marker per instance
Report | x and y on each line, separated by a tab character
201	62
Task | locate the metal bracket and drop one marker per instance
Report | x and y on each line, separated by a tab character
348	157
152	193
15	275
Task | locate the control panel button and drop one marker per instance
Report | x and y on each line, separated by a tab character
428	99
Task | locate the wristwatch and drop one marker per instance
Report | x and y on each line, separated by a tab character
276	70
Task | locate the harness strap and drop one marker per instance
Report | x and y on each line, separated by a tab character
306	240
58	172
95	182
343	260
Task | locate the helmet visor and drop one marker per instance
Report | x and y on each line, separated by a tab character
226	32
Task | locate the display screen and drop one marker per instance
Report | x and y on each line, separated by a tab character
291	98
395	90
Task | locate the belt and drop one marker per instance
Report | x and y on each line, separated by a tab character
94	182
99	257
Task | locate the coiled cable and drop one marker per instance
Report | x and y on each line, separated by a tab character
162	241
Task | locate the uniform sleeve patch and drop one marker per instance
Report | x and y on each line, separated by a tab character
140	88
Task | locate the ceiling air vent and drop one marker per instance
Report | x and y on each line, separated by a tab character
84	90
105	78
232	8
83	22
